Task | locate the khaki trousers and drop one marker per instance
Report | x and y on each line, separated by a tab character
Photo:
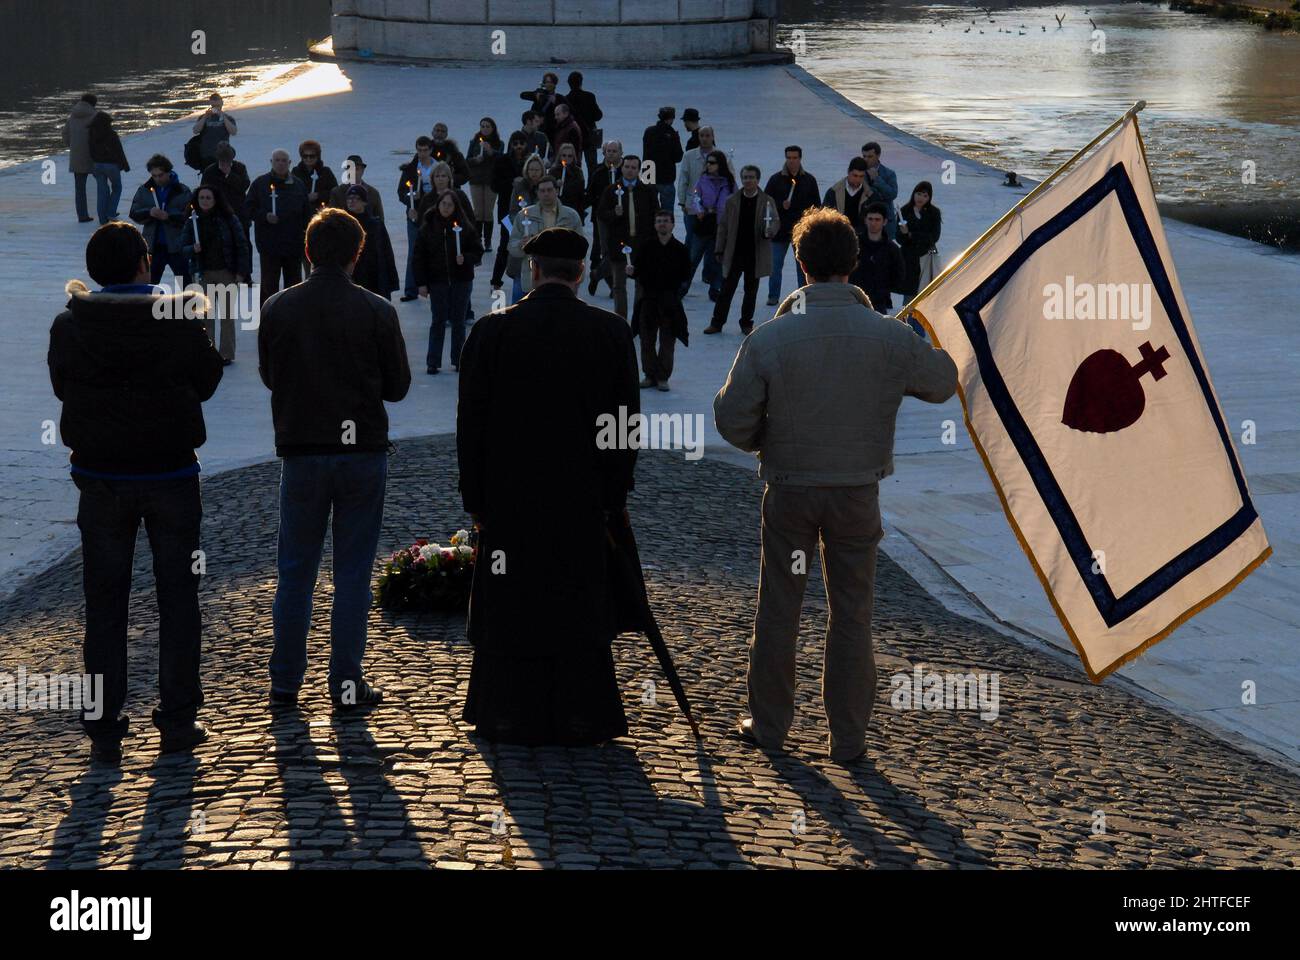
847	521
227	348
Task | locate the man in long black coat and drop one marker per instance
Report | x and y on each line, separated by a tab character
541	481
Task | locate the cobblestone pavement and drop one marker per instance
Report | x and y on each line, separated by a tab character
410	786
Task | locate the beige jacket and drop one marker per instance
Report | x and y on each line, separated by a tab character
816	394
729	227
531	216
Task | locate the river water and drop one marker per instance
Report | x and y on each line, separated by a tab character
1021	95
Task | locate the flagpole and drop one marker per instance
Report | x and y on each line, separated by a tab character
970	250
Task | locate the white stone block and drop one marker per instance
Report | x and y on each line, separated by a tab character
693	10
407	10
586	11
648	11
459	11
521	11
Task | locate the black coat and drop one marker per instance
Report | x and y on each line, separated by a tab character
921	236
545	104
662	269
615	227
222	233
586	110
331	351
542	496
376	268
233	185
132	384
284	238
105	144
434	259
879	270
325	182
806	196
662	145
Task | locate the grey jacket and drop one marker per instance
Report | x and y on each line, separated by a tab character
816	394
76	136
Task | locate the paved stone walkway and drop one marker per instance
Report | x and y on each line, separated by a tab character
410	786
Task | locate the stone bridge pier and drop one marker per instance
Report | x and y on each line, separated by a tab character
587	32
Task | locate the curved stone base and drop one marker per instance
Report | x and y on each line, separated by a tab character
590	32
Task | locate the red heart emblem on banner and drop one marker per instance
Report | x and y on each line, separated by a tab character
1105	393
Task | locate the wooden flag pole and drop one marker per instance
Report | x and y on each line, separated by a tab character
970	250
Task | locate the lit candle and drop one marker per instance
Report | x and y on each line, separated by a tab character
410	194
627	252
521	202
273	210
790	198
564	172
456	228
155	198
194	222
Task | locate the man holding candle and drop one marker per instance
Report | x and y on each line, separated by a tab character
320	181
605	175
162	205
276	205
414	180
744	246
796	191
446	150
626	216
547	212
660	266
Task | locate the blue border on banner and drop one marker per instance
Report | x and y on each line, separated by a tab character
1113	609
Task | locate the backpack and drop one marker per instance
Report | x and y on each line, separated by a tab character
192	158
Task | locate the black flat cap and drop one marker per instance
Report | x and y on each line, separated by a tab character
558	242
691	114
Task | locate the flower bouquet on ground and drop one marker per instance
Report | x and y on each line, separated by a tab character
428	577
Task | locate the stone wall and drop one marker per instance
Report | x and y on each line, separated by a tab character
579	31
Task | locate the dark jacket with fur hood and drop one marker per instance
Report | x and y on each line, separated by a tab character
132	370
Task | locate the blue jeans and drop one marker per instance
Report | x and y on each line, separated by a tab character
516	291
448	302
409	289
711	272
108	190
79	194
160	260
779	249
351	487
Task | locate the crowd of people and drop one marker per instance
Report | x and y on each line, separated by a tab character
556	169
331	352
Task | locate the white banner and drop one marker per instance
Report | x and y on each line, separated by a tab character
1088	398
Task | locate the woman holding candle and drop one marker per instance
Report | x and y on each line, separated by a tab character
441	178
523	193
568	175
919	226
446	254
218	253
481	157
707	203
